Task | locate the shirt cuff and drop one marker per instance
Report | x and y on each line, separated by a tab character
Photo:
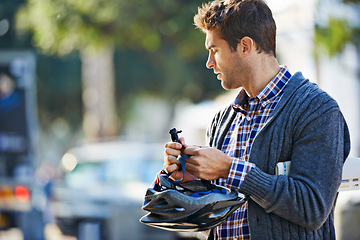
238	171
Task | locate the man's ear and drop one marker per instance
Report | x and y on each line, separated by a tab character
246	46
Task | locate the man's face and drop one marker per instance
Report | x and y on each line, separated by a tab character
229	66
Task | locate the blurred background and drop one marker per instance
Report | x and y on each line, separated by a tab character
90	88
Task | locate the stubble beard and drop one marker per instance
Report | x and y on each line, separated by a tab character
229	79
237	75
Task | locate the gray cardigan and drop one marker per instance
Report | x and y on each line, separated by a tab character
308	129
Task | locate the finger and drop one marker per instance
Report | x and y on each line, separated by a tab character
190	169
192	150
171	160
171	168
171	152
191	161
173	145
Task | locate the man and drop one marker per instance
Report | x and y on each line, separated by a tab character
276	117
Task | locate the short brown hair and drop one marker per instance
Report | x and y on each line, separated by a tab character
235	19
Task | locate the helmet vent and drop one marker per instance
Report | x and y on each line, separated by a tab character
180	209
162	202
179	188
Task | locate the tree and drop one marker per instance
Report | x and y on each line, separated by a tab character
96	28
332	35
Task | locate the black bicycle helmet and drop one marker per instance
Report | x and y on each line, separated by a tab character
192	206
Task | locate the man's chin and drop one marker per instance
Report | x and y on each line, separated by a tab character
228	87
225	86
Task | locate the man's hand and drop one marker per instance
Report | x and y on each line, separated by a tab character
207	163
171	164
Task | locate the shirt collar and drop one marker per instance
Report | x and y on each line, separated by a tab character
272	89
241	102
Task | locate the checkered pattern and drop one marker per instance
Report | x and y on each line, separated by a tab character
251	118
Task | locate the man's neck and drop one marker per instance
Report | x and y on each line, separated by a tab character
262	74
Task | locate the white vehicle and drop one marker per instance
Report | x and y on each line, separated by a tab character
102	188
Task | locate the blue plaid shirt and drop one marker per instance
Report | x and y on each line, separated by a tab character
252	114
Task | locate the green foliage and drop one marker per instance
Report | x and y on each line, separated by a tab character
352	1
338	32
157	51
62	26
333	37
160	31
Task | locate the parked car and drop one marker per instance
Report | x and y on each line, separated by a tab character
101	190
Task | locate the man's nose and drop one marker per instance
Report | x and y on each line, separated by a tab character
210	63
